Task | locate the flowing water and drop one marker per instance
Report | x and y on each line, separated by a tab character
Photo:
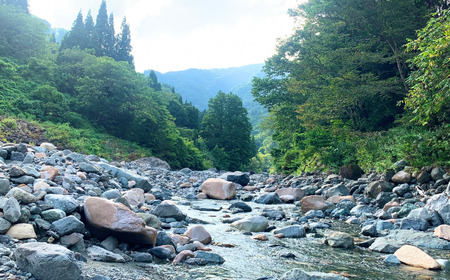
252	259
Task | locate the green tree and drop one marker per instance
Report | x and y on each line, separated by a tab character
76	37
226	132
102	32
22	4
89	30
124	44
429	98
154	81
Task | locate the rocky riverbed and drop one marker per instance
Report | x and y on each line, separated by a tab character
66	215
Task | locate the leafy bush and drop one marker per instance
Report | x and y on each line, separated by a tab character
9	123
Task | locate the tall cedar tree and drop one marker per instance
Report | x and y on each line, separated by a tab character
76	37
124	44
89	30
101	35
226	131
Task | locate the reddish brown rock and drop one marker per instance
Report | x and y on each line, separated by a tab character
313	202
49	172
443	231
250	188
219	189
201	196
200	246
180	239
81	175
199	233
186	185
170	247
107	218
260	237
182	256
295	192
149	197
40	155
287	198
391	204
413	256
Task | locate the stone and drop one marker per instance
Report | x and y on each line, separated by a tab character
369	230
418	238
375	188
143	257
11	210
162	252
182	256
360	210
297	193
219	189
4	186
441	204
413	256
443	231
110	243
401	177
241	205
423	177
167	210
340	240
150	220
298	274
67	226
313	202
260	237
294	231
22	231
385	245
269	198
112	194
445	264
71	239
134	196
17	156
210	258
99	254
206	205
237	177
40	185
411	223
65	203
107	218
437	173
47	261
49	172
420	213
391	259
89	168
252	224
180	239
141	182
337	190
48	146
351	171
53	215
4	225
21	196
287	198
199	233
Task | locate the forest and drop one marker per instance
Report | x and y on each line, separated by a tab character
357	83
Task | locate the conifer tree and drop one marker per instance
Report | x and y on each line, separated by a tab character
89	30
23	4
154	81
124	44
101	31
76	36
111	39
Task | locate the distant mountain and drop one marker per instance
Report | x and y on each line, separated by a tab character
198	86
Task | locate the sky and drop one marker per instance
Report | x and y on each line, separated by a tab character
173	35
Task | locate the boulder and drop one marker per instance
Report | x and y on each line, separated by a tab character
4	186
291	231
11	210
437	173
151	162
443	231
134	197
4	225
375	188
219	189
252	224
210	258
413	256
340	240
351	171
48	146
67	226
244	207
199	233
167	210
298	274
337	190
62	202
295	192
47	261
99	254
385	245
21	196
49	172
21	231
441	204
419	238
237	177
401	177
313	202
141	182
269	198
108	218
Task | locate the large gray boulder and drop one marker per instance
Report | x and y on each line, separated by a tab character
141	182
47	261
294	231
62	202
238	177
166	210
253	224
441	204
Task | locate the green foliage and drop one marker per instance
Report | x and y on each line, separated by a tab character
9	123
21	36
429	97
226	132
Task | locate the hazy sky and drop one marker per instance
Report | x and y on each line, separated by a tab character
170	35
